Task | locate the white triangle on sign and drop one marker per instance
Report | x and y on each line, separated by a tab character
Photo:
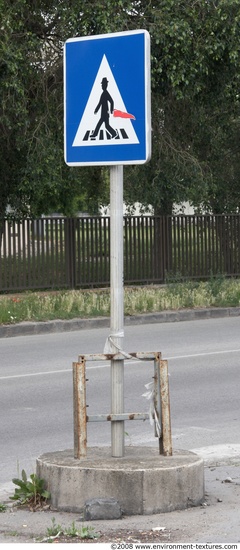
125	132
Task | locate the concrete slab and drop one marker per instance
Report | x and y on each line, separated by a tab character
143	482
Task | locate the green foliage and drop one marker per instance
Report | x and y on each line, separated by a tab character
195	107
3	507
57	530
195	66
60	305
72	531
217	292
87	533
34	177
30	492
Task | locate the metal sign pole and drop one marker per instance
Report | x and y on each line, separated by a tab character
97	68
117	305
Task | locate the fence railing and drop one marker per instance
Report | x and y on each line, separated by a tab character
58	253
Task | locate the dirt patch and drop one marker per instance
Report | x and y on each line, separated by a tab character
122	536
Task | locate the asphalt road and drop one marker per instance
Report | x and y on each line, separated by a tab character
36	405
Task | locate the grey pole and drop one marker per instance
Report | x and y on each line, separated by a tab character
117	305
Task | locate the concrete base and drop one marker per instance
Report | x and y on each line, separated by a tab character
143	482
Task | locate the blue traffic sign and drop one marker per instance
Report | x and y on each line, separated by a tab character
107	113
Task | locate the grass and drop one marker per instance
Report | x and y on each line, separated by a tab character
44	306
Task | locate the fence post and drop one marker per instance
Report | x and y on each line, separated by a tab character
70	251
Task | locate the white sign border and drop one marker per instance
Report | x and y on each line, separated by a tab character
147	72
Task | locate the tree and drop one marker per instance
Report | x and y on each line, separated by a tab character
34	178
195	90
195	87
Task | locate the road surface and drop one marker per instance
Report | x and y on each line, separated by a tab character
36	404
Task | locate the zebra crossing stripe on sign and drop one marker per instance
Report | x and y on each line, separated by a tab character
105	120
104	135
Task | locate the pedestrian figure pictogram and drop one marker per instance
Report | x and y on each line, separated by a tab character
106	103
115	125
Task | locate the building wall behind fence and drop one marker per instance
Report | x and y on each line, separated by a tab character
65	253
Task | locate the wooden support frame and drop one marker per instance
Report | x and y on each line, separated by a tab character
161	402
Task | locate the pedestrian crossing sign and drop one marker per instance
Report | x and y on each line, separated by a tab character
107	113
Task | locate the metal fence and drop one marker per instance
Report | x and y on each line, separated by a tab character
58	253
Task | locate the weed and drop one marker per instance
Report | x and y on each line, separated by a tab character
55	529
87	533
71	531
3	507
30	492
218	291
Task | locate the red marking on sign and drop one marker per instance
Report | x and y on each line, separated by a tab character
121	114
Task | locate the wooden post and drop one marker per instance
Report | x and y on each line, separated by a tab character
79	410
165	409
